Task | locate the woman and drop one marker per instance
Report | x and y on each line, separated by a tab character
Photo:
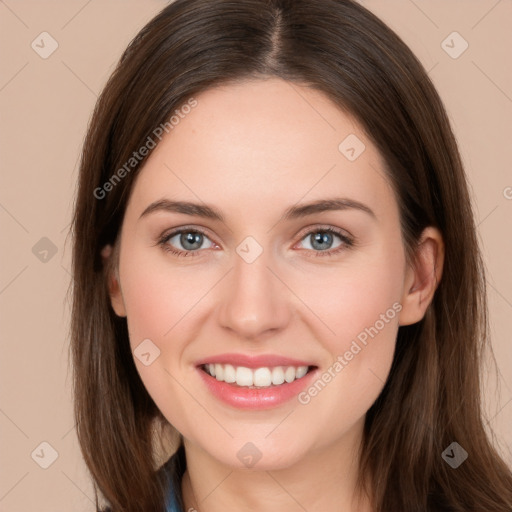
276	260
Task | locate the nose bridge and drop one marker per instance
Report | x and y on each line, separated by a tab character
254	300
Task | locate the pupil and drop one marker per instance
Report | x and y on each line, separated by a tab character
321	238
193	239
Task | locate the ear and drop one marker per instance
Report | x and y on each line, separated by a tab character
422	277
114	288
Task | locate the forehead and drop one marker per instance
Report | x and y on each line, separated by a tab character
263	143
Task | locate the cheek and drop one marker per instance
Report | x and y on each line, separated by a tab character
160	300
160	306
355	296
359	308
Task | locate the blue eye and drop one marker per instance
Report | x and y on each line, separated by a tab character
319	238
191	240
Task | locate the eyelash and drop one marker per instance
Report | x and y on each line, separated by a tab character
348	242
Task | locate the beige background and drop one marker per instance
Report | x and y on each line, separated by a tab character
45	105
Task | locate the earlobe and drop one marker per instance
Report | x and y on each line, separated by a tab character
423	277
114	288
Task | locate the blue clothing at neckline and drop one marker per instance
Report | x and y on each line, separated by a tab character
172	505
174	469
171	502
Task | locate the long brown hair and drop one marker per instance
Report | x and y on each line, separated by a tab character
432	395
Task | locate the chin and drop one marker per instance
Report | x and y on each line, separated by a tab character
257	455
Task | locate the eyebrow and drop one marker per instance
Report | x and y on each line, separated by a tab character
294	212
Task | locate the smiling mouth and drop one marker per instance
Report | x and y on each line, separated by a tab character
256	378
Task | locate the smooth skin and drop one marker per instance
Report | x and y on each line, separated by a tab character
251	150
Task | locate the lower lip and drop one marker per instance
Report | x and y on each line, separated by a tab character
256	398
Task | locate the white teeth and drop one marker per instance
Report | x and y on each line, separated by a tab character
289	374
262	377
277	375
229	374
219	372
259	377
244	376
301	371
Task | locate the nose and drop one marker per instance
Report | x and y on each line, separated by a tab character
254	300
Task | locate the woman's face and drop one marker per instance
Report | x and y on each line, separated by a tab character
263	287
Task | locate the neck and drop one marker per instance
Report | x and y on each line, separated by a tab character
325	480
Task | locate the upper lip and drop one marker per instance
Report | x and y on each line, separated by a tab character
247	361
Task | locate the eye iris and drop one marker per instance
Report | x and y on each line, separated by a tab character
321	238
194	239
